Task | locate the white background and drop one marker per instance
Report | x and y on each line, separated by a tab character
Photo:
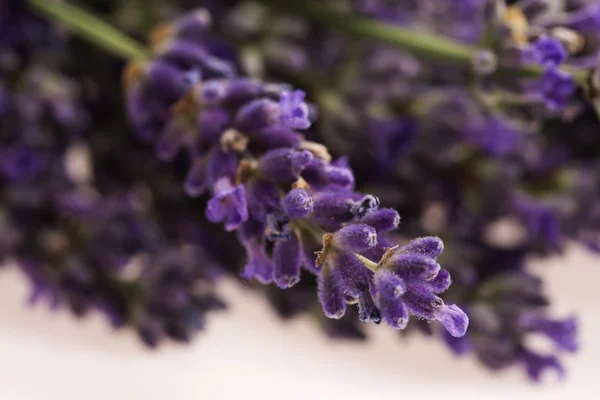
246	353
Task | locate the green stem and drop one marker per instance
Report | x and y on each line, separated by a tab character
91	28
372	265
427	45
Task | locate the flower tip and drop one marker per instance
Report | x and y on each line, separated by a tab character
300	159
295	113
286	281
383	220
356	237
454	320
298	203
401	323
249	275
337	315
431	246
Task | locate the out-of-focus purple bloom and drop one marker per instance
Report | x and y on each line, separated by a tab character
557	88
21	162
284	165
586	19
562	333
259	264
494	136
549	51
541	221
294	111
536	364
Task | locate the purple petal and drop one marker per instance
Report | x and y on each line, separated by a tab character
331	295
294	111
355	238
287	259
228	205
453	318
389	284
298	203
383	220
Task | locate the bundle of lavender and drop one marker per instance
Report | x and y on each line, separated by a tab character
280	142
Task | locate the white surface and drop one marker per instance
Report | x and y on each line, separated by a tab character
247	354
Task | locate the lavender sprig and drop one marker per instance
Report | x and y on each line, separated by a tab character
465	117
280	192
465	147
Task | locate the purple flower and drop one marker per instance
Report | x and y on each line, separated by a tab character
586	19
284	165
288	193
259	265
356	237
541	221
494	136
287	261
549	51
294	111
563	333
418	271
193	56
21	162
557	87
195	182
228	205
257	114
389	284
453	318
383	220
298	203
429	246
323	175
391	138
331	294
166	80
192	25
404	281
536	364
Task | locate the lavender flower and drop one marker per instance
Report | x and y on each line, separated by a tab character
271	185
483	139
464	164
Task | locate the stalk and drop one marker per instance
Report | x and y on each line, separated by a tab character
426	45
91	28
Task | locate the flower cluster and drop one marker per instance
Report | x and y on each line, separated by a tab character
465	116
280	192
472	153
81	216
89	240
